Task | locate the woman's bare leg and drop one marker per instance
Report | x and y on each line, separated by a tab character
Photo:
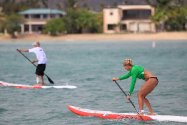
147	87
140	100
148	105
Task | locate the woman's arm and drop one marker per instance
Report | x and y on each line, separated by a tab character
133	82
134	74
125	76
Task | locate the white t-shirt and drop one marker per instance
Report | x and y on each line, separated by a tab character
40	55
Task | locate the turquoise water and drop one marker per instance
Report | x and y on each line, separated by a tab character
90	66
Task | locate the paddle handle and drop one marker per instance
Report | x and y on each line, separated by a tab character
49	79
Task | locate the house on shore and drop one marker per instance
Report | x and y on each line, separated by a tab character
35	19
128	18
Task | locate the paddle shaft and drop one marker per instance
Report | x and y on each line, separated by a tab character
126	95
129	99
49	79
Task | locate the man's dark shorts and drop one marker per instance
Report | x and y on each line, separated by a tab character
40	69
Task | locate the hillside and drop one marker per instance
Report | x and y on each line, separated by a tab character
95	5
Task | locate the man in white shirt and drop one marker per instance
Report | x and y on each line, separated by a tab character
41	60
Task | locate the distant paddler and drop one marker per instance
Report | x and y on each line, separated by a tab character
151	82
41	60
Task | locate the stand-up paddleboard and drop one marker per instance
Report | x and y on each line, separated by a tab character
22	86
117	116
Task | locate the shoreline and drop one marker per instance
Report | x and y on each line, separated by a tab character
101	37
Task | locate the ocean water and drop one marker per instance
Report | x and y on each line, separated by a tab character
90	66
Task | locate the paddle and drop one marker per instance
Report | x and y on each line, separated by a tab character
129	99
49	79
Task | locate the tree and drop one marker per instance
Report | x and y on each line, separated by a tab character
170	14
82	21
70	21
100	22
177	19
12	24
54	27
87	21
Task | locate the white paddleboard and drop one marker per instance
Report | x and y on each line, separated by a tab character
22	86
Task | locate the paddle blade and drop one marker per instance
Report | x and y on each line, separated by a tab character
49	79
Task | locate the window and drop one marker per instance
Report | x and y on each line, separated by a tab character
136	14
37	28
26	16
45	16
123	27
60	15
26	28
36	16
52	15
111	26
111	13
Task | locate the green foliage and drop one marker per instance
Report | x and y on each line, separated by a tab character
12	24
70	21
163	3
172	14
177	19
82	21
100	22
87	21
160	16
54	27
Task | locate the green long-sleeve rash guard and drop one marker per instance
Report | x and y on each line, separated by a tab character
135	72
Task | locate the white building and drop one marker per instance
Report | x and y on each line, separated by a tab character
35	19
128	18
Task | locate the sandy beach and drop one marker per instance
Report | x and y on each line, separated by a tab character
92	37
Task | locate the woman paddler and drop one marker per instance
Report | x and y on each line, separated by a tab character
150	83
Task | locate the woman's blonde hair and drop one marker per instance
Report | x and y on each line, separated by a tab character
127	61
